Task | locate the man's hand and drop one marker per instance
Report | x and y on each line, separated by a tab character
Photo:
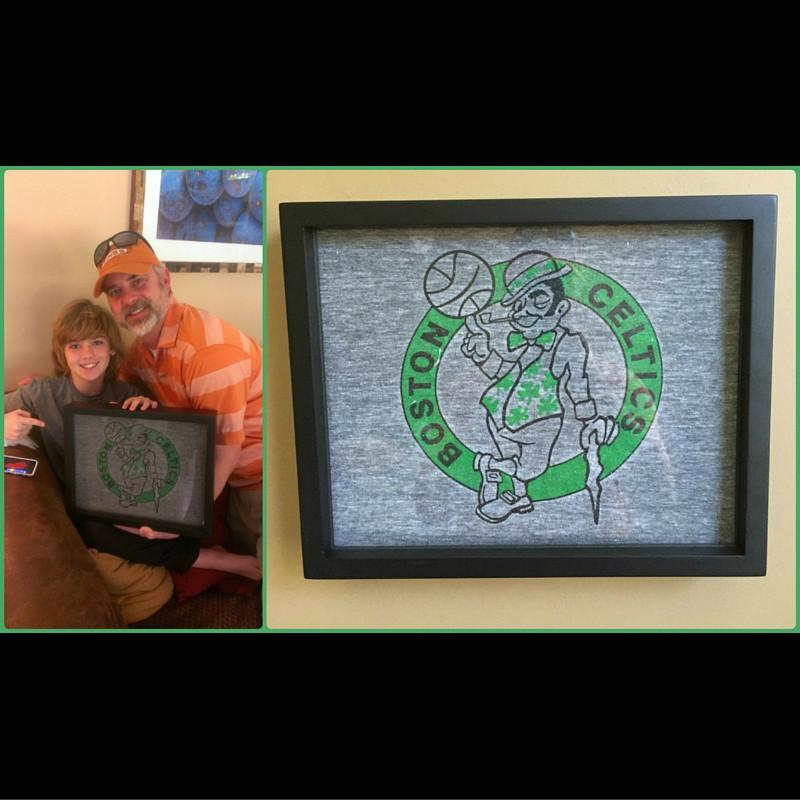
17	424
148	533
31	376
604	429
140	402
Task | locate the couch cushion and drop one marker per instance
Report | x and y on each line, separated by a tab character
50	579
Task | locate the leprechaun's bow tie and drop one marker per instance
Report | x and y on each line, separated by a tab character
544	340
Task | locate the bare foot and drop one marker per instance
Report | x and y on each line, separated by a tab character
246	566
219	558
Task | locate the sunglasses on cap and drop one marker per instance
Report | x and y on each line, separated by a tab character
121	239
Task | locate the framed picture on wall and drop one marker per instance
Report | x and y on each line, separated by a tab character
201	220
511	388
153	467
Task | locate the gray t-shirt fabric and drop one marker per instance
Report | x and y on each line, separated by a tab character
120	462
678	487
45	399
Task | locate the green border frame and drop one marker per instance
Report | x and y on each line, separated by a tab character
48	631
265	600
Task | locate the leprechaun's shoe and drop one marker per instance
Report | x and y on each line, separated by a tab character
504	506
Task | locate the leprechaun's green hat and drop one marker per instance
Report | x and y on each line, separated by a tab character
529	269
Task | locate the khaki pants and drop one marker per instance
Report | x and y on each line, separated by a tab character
138	590
244	520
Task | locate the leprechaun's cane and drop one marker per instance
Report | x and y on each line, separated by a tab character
595	468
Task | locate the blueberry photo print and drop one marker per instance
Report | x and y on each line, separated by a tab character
202	220
211	205
531	387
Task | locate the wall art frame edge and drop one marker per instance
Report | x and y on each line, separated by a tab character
322	560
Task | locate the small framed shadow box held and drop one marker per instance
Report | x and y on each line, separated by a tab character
153	467
511	388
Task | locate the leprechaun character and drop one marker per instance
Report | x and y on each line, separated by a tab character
138	463
528	366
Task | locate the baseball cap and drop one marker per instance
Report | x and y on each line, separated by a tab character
135	258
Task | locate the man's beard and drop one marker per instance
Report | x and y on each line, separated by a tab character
144	326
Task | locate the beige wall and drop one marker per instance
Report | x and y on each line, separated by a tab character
293	602
53	221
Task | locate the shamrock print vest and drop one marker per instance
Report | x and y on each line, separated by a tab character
529	394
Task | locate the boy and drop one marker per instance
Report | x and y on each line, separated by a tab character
87	350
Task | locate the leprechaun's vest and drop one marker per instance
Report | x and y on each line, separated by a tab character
523	396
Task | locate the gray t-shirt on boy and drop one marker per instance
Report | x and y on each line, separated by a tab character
45	398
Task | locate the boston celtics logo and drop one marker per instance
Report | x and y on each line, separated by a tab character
138	464
534	367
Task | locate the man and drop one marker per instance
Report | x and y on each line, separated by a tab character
529	365
189	358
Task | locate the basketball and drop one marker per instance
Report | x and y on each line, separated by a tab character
459	283
114	432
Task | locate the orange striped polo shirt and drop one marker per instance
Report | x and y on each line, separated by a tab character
204	362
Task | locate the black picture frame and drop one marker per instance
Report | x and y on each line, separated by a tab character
96	488
747	556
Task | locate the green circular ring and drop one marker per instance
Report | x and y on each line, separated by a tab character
569	476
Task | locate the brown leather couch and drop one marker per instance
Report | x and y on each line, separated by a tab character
51	581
